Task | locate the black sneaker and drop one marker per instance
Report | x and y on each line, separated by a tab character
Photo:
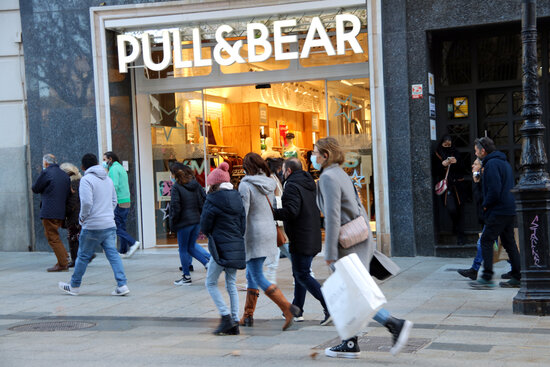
512	283
347	349
327	320
468	273
507	275
400	330
185	280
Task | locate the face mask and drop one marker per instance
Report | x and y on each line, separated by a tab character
173	180
316	165
43	167
105	164
244	171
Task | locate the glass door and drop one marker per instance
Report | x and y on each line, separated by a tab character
170	130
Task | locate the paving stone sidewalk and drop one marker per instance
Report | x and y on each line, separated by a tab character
159	324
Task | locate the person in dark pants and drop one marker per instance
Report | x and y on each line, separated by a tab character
54	186
499	210
302	221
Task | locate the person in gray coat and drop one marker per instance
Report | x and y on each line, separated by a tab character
260	238
340	204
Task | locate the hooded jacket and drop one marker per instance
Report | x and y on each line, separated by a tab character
261	234
300	214
186	204
97	199
223	220
54	185
497	181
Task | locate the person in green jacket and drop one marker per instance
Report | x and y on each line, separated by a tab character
117	173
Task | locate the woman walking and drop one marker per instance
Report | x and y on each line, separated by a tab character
338	200
72	211
223	220
187	199
256	190
117	173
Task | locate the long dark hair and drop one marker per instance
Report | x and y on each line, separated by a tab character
112	156
182	173
253	164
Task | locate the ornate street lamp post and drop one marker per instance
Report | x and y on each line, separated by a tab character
533	190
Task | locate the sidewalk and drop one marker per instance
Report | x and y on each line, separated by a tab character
164	325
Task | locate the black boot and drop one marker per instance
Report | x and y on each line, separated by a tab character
227	326
347	349
400	330
468	273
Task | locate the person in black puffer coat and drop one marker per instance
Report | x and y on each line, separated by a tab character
187	199
302	221
223	220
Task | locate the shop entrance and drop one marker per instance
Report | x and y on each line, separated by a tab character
202	128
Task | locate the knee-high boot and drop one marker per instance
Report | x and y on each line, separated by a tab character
289	310
249	307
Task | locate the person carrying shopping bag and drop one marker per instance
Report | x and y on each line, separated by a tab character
337	200
256	190
223	220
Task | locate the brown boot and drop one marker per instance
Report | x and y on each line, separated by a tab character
249	307
289	310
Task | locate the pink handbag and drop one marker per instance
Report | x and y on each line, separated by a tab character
441	186
353	232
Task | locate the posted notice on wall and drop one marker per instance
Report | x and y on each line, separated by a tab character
416	91
433	132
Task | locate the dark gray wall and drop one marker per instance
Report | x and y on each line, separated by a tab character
406	24
59	80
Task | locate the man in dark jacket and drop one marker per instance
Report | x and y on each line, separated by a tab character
499	210
302	222
54	185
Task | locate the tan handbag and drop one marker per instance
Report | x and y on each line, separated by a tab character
281	235
354	231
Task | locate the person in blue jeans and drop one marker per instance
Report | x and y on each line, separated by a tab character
97	202
223	220
117	173
478	199
257	192
187	199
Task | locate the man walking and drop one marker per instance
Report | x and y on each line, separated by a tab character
302	221
54	185
499	210
97	203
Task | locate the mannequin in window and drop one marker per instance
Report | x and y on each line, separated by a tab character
291	150
269	152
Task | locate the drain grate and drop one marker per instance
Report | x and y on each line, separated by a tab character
54	326
380	344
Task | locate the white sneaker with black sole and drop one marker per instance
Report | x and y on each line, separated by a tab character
120	291
185	280
66	287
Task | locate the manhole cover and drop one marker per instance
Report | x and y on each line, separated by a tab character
380	344
53	326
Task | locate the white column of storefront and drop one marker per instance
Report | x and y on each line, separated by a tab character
380	158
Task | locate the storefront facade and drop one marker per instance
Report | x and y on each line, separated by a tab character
174	67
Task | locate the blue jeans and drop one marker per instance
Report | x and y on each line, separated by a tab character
121	215
212	276
201	254
301	270
255	275
382	316
187	237
89	239
284	250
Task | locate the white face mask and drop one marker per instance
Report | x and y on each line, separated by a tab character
316	165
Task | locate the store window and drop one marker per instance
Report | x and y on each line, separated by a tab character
350	123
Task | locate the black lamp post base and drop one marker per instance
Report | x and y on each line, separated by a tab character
527	303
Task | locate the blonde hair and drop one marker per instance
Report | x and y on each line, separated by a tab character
330	147
71	170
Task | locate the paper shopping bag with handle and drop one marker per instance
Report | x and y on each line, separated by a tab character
352	296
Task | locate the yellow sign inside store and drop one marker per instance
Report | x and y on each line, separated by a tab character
460	107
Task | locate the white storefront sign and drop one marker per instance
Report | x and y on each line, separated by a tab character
256	35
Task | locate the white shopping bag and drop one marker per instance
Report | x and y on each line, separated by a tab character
352	296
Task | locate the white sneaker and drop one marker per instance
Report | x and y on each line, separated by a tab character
131	250
185	280
66	287
120	291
